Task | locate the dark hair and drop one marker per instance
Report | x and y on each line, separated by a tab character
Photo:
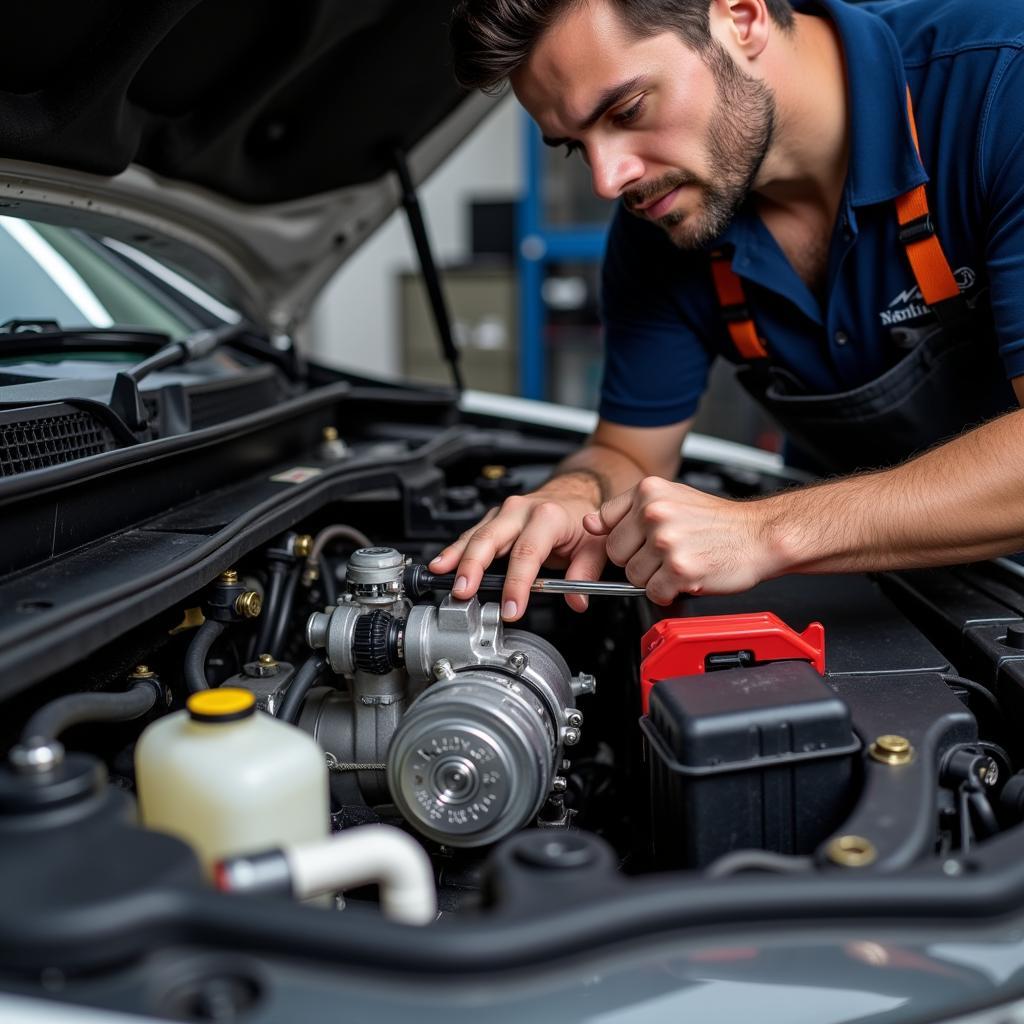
492	38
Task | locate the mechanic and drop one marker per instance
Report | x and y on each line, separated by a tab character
769	164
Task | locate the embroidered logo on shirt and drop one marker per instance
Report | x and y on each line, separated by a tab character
909	304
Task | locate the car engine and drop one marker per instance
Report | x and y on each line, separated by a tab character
812	730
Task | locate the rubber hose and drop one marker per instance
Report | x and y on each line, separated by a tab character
270	606
302	682
195	656
284	614
60	714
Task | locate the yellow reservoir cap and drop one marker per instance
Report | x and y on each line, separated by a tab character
227	704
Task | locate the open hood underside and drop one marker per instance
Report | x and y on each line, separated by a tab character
244	134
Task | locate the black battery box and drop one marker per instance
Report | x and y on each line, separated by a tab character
761	757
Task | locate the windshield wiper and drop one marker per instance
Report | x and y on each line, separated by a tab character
125	399
33	337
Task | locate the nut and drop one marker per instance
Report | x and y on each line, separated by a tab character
891	749
302	545
249	604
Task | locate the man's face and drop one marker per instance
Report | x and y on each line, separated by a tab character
678	136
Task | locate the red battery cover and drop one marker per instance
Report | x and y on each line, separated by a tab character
680	647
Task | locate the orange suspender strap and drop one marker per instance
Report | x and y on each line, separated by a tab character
733	304
917	233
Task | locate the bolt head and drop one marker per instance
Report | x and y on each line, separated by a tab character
518	661
559	784
575	719
851	851
37	759
571	737
891	749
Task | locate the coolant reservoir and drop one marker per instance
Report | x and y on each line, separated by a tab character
229	779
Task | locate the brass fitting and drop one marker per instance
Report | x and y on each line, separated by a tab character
493	472
891	749
249	604
851	851
142	672
302	545
228	577
330	434
268	660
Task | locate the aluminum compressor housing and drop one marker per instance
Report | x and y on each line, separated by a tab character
476	754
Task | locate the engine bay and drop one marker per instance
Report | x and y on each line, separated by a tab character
821	736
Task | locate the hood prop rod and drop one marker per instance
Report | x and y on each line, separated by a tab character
428	268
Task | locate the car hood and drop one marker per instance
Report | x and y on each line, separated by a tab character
246	143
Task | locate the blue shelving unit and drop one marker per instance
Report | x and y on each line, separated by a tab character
537	245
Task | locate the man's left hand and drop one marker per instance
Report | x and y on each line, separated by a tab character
673	539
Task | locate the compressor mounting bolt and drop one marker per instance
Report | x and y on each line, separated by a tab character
249	604
571	737
891	749
575	719
518	662
442	669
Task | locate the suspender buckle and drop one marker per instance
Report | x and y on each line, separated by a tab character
917	230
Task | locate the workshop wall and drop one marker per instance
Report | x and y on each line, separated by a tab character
364	294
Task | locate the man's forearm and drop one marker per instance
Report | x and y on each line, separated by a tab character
961	501
595	472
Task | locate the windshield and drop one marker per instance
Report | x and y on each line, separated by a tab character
80	281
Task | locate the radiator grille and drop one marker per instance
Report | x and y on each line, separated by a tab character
41	441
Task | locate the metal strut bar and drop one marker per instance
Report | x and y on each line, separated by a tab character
428	267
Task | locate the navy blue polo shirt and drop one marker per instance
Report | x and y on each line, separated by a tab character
966	75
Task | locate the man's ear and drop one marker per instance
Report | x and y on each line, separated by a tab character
746	24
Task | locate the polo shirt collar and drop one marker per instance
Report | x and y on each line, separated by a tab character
883	160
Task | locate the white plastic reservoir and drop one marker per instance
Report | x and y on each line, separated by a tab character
229	779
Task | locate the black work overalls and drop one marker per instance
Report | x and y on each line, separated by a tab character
951	380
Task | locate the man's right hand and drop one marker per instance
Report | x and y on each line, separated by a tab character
542	528
546	527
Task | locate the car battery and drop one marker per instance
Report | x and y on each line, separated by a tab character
759	757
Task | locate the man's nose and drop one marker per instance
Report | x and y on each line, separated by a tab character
613	170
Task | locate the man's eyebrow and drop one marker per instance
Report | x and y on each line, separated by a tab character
608	99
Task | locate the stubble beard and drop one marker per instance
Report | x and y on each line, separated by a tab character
739	136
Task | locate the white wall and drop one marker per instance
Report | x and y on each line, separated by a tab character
355	322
